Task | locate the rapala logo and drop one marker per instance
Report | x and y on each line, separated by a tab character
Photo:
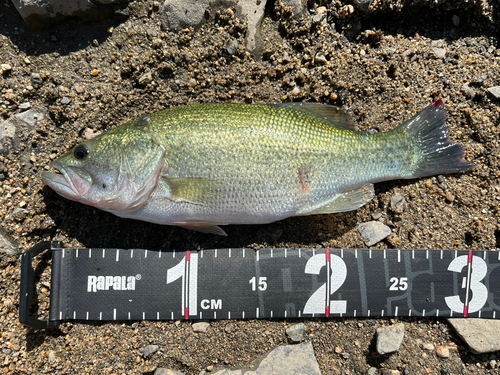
95	283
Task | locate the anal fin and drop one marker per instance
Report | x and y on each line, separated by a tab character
349	200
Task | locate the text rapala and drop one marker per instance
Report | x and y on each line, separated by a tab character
96	283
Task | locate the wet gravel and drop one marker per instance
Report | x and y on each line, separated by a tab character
383	67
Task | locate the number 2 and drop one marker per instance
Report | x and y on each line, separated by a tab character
316	303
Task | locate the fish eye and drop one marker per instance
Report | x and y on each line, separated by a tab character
80	152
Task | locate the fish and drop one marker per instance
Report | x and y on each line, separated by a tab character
201	166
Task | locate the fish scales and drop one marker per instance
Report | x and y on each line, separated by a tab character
216	164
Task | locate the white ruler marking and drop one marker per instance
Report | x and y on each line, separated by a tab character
117	255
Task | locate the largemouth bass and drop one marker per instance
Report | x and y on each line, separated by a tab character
204	165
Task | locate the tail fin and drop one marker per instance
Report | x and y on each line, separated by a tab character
437	154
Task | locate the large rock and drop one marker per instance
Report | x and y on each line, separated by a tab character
44	13
180	14
24	121
284	360
177	15
481	335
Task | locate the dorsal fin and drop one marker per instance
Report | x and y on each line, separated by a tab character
336	116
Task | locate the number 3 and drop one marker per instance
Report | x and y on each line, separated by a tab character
478	289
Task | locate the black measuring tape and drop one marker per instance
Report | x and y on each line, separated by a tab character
139	284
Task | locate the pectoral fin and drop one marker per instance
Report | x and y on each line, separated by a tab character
347	201
193	190
201	227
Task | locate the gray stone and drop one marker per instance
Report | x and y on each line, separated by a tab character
494	93
229	372
36	80
32	117
43	13
318	18
7	244
371	371
201	326
24	106
148	350
389	338
232	47
468	91
296	332
373	232
7	131
289	359
253	11
299	7
167	371
145	79
481	335
398	203
363	5
177	14
65	100
439	52
456	20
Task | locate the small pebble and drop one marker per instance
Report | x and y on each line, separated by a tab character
371	371
456	20
390	372
468	91
200	326
145	79
232	47
65	100
373	232
6	67
94	72
428	346
36	80
295	332
398	203
442	351
389	338
167	371
25	105
494	93
148	350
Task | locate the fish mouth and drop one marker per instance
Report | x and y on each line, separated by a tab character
70	182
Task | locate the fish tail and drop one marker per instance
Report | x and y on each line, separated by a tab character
436	152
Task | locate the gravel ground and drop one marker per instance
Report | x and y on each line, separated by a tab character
383	66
